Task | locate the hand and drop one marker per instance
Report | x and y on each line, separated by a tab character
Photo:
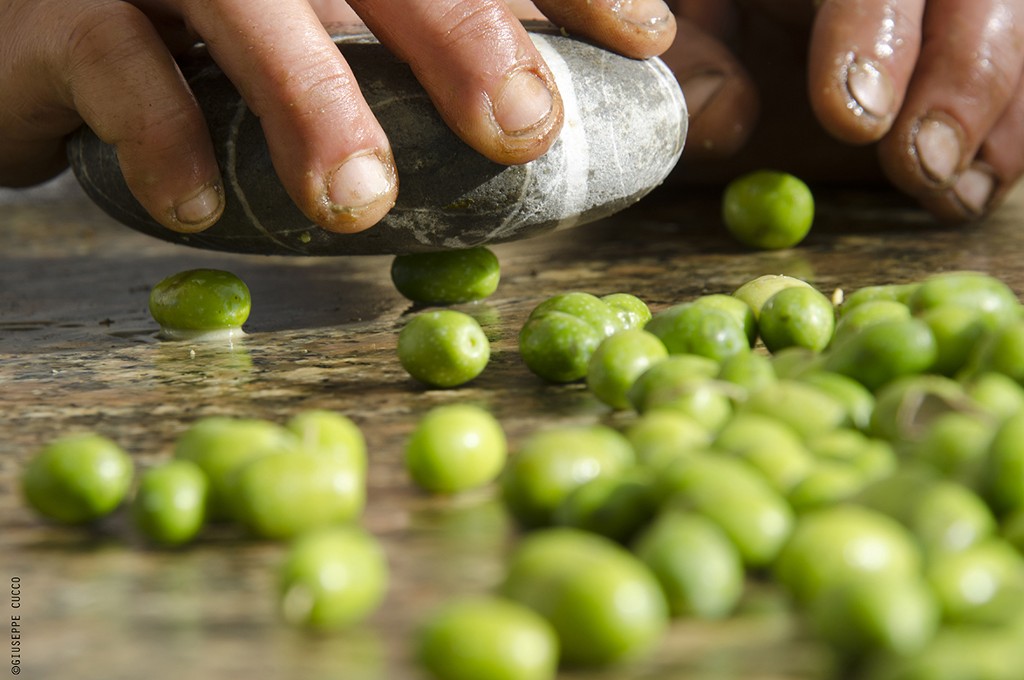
929	91
109	64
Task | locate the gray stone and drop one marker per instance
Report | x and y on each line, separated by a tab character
625	123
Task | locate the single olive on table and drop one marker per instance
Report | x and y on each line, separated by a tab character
443	348
768	210
332	578
454	448
487	638
200	304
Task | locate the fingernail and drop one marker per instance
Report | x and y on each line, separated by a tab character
974	188
198	210
938	149
650	14
524	103
870	88
360	181
700	90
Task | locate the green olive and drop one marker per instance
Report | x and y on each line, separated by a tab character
757	291
749	370
942	515
77	478
867	314
699	569
805	408
454	448
330	433
857	400
604	604
1001	351
487	638
907	406
1000	395
281	495
446	277
864	616
736	308
841	543
170	503
590	308
220	445
558	346
974	290
793	362
682	383
1012	529
332	578
728	491
770	446
891	292
884	351
443	348
797	316
768	210
874	458
957	332
662	435
955	653
200	302
631	310
955	444
618	361
616	507
826	484
1004	466
703	330
983	583
549	464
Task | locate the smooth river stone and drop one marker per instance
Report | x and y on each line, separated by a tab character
625	123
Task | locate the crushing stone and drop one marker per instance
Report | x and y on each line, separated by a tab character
625	124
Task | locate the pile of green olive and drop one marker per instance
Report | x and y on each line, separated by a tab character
866	454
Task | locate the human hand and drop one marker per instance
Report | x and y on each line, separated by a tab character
110	64
928	91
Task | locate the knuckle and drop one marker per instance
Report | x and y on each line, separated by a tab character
472	21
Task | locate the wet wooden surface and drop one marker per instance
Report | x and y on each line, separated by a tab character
77	352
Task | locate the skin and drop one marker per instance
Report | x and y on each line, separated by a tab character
926	93
108	63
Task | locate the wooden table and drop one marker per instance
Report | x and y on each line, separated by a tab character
77	352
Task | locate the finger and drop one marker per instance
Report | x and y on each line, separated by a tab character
141	105
971	60
996	168
862	56
721	99
635	28
481	69
327	148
